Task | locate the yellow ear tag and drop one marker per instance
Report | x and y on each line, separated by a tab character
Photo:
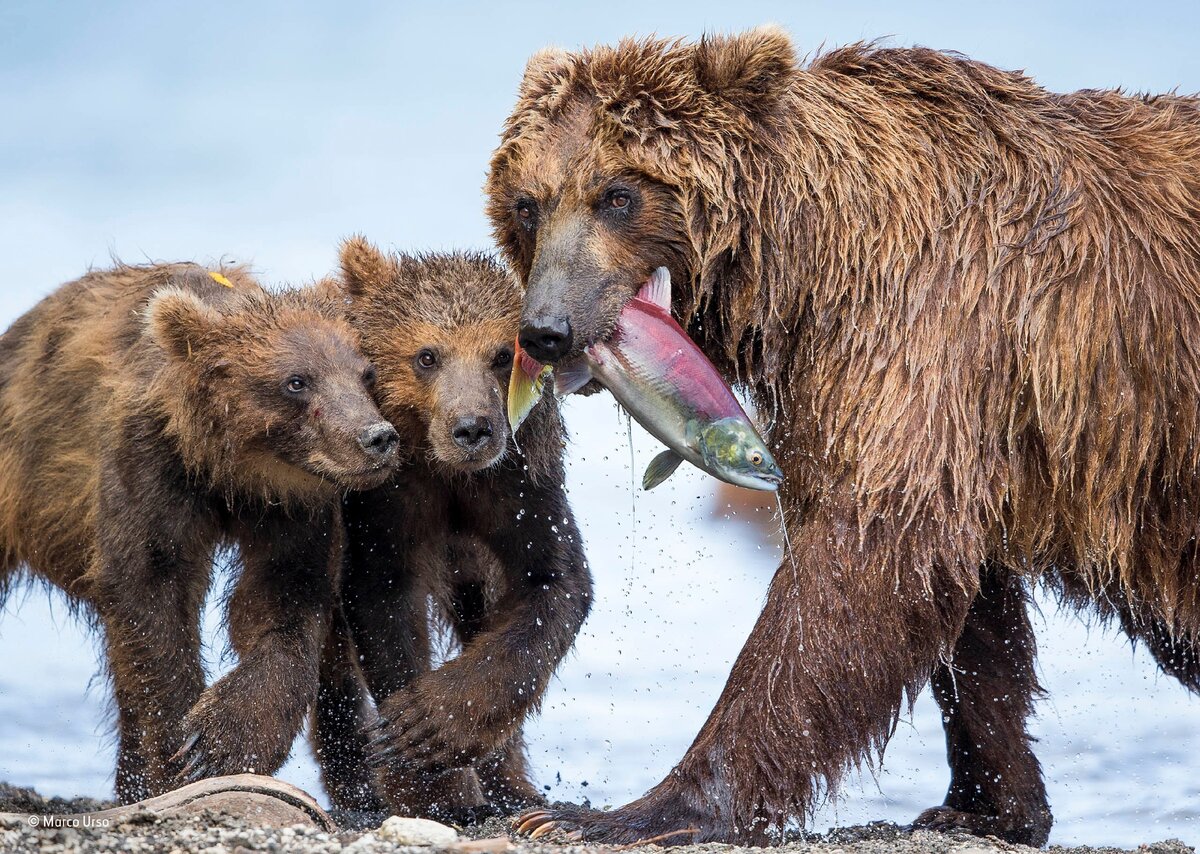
220	280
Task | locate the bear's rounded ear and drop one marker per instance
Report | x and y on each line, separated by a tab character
749	69
364	268
546	70
179	320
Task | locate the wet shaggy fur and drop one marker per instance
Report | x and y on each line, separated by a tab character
144	423
969	308
475	523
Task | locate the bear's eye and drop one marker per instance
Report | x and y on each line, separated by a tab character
427	359
618	199
295	385
503	358
369	377
526	210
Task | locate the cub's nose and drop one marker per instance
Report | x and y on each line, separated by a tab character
471	432
546	339
379	440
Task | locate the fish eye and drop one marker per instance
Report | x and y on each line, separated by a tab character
756	458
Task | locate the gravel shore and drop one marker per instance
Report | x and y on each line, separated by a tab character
214	833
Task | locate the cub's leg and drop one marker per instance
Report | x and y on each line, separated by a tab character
147	586
506	779
471	706
386	608
340	718
504	775
986	696
278	616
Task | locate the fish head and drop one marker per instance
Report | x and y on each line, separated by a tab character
734	451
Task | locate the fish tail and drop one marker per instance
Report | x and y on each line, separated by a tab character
525	385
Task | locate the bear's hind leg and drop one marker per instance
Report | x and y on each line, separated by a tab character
1176	653
986	695
506	780
340	719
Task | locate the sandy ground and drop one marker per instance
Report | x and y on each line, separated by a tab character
222	834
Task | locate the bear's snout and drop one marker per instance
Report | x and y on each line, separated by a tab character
472	432
380	440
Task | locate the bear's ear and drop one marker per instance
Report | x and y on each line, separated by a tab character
545	69
179	320
364	268
749	69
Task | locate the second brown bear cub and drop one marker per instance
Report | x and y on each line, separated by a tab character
474	522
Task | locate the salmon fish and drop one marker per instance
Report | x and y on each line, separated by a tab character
668	385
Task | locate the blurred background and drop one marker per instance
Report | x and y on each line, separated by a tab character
266	132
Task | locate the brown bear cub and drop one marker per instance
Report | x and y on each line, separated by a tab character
472	522
149	416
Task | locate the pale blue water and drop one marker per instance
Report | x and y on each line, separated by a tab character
266	132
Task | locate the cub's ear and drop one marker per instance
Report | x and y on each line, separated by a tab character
364	268
179	321
749	69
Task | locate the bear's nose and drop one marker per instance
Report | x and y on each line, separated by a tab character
471	432
546	339
379	440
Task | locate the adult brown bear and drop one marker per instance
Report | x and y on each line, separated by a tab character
970	306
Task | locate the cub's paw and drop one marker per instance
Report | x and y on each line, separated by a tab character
215	741
417	730
1010	828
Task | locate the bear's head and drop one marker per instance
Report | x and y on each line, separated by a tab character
622	159
440	328
268	391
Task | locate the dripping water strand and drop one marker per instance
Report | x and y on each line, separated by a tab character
787	540
632	496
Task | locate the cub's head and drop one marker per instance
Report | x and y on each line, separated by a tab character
440	328
621	159
269	387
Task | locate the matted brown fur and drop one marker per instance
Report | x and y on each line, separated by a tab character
147	419
477	523
969	308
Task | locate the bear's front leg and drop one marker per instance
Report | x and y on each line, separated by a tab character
278	616
846	633
469	708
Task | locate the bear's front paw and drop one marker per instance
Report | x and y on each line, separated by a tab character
420	729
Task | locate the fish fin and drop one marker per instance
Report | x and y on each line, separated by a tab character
660	468
525	385
657	289
569	379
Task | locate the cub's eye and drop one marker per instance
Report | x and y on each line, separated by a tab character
503	358
295	385
427	359
756	458
369	377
